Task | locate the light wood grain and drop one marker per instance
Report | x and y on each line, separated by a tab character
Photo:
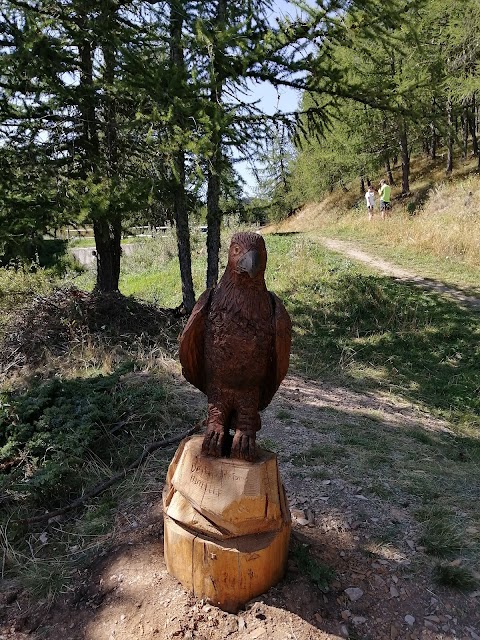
227	525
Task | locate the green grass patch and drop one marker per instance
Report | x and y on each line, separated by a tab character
455	577
326	453
49	431
283	414
441	535
317	572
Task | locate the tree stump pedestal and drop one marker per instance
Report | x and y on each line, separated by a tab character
227	525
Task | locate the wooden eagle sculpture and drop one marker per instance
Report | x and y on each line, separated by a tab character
235	348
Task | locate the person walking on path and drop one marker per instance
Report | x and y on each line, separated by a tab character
385	193
370	198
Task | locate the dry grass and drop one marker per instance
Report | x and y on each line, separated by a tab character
441	218
449	223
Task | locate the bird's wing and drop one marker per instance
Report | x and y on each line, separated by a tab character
192	341
281	355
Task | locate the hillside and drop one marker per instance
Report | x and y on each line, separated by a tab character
435	230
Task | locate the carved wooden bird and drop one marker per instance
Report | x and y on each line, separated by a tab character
235	348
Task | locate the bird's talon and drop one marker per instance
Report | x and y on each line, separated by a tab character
212	444
243	447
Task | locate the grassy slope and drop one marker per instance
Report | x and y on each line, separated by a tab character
378	335
439	240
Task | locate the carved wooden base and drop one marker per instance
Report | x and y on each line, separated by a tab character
227	525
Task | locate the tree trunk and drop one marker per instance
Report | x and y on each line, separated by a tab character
214	217
433	141
465	118
433	133
179	195
183	234
449	167
108	228
107	231
405	157
214	214
87	105
362	186
388	169
108	234
473	132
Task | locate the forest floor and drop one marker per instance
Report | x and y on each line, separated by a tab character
348	519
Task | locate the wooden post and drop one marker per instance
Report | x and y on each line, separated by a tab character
227	525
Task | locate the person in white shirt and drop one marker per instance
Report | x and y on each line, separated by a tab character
370	198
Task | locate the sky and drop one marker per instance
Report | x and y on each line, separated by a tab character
271	99
286	100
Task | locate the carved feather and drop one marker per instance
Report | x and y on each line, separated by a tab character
192	343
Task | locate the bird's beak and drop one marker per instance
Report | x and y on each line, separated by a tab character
250	262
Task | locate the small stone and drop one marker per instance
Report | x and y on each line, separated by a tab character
318	618
344	630
301	521
432	619
297	513
354	593
474	635
358	620
394	591
394	632
345	614
378	580
241	624
411	544
410	620
429	625
256	633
